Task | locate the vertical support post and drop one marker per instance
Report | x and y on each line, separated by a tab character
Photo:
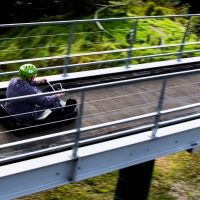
183	40
134	182
79	124
159	108
66	62
132	40
76	141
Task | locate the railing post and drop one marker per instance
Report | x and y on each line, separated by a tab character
159	108
183	41
132	40
79	124
68	49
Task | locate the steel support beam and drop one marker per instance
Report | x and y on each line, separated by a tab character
46	172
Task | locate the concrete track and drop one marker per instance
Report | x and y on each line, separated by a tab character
119	102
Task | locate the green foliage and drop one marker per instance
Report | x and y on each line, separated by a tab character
195	27
182	21
159	11
184	9
150	7
158	2
190	5
44	41
172	178
135	11
88	39
100	187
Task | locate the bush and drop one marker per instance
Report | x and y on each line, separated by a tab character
137	11
182	21
141	40
195	28
92	37
86	45
159	11
173	39
150	7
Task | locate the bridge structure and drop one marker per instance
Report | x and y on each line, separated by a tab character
129	115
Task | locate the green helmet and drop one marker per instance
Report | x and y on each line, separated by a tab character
27	70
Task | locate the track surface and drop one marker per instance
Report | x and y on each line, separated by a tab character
119	102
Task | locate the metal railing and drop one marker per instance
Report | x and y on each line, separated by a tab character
128	51
79	129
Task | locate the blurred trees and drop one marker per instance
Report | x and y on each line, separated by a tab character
163	3
12	11
28	10
194	5
150	8
195	27
25	10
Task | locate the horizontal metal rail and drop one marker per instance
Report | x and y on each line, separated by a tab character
96	86
128	51
113	123
89	128
121	96
36	36
88	141
94	139
68	145
55	170
98	53
34	153
99	85
94	20
98	126
180	108
116	110
78	33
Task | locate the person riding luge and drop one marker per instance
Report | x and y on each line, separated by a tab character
25	84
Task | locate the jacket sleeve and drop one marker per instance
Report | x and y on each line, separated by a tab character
43	100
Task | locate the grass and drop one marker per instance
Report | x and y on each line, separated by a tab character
100	187
177	176
174	176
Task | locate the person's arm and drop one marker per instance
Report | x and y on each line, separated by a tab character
43	100
40	80
60	94
43	80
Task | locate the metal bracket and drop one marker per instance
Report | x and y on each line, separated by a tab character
194	148
72	176
132	40
159	108
183	40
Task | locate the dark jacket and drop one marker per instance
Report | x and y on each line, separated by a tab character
18	87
